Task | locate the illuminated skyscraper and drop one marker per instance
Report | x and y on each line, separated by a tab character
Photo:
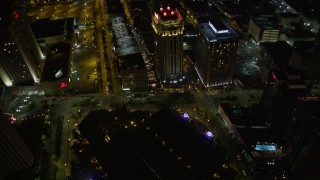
216	53
168	27
19	52
15	156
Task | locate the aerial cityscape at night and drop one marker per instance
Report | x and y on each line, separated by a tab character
159	89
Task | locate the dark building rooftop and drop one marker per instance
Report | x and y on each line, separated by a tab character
115	7
309	8
190	35
232	7
304	138
243	116
56	65
204	11
252	126
279	51
139	7
148	39
140	12
187	141
167	147
131	153
189	30
266	22
144	27
288	15
131	61
299	32
6	13
202	7
46	28
306	48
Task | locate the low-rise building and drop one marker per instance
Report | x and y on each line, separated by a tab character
297	33
306	56
133	72
287	19
264	28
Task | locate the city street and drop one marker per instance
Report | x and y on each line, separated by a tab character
105	18
67	109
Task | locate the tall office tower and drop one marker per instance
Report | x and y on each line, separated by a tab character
15	156
281	93
304	139
317	40
216	53
19	52
168	27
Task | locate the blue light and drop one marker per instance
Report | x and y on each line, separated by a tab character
236	111
265	147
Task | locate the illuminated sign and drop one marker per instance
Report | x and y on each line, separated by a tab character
62	85
274	76
16	14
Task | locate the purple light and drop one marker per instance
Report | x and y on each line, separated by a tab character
185	116
208	135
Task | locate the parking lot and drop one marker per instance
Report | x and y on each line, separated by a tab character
85	72
124	41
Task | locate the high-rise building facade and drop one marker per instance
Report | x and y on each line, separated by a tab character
15	156
216	53
168	27
317	40
19	52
